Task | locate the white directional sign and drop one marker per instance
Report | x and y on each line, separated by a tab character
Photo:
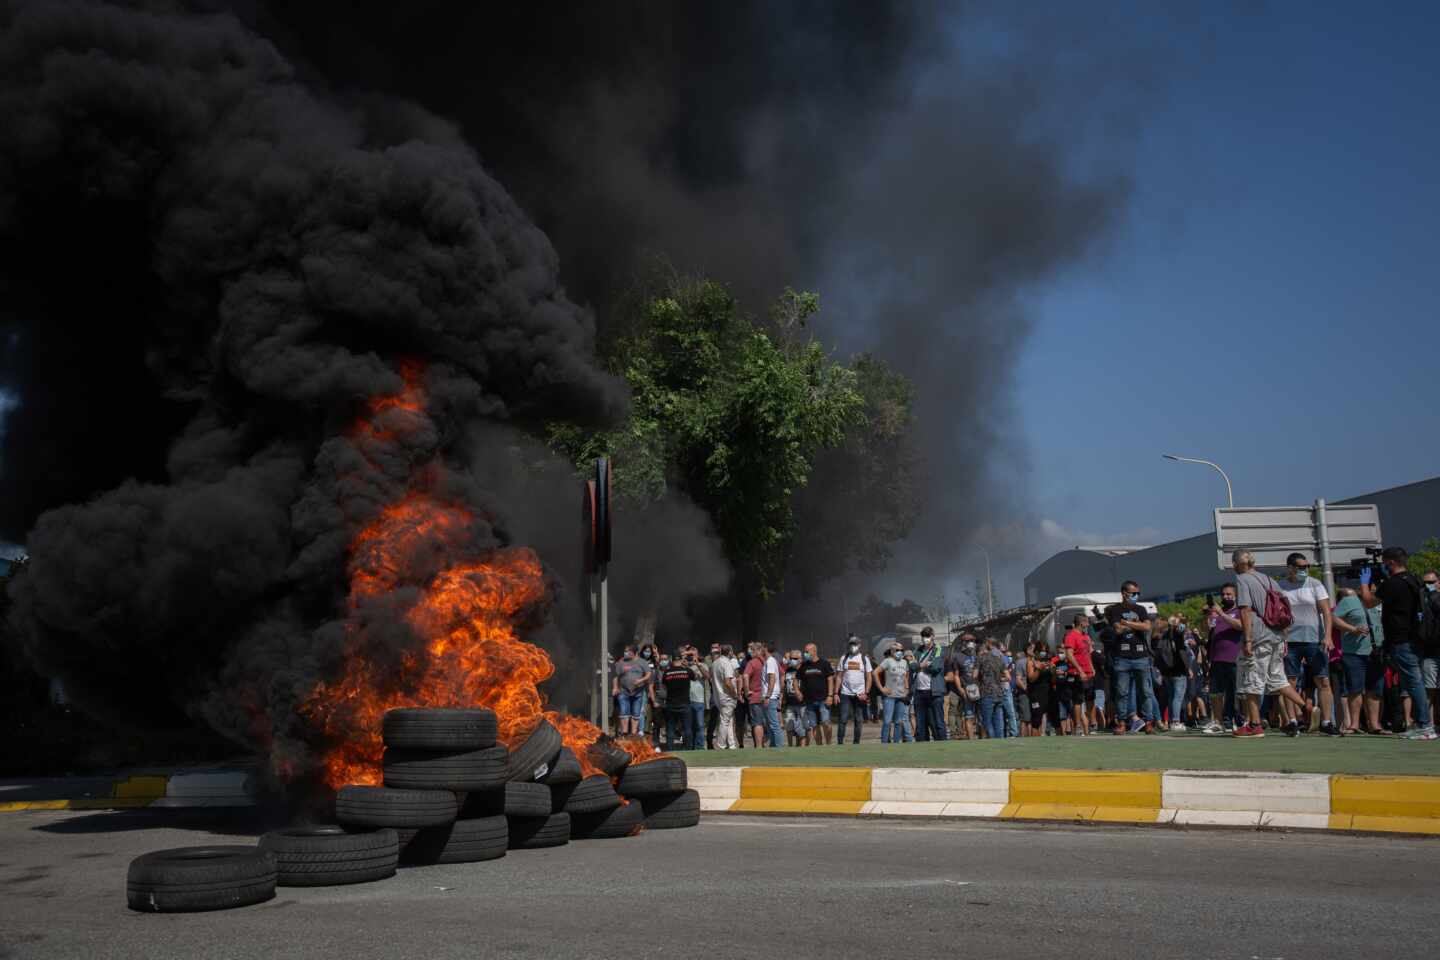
1273	533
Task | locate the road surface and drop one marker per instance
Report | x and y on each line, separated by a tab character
743	887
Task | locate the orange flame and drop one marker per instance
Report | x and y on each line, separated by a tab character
466	610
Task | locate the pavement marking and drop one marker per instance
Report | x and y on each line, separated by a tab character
810	783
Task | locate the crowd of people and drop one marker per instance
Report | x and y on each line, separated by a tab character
1266	654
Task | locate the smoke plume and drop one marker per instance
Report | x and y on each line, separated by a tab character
214	271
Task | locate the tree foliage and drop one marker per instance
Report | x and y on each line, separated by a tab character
726	413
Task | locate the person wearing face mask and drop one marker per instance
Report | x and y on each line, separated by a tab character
892	676
675	682
1223	619
929	682
725	694
856	680
1308	642
1429	634
817	688
1136	710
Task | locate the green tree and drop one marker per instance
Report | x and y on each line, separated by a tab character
728	414
1425	559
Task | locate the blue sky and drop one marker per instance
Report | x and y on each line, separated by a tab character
1272	290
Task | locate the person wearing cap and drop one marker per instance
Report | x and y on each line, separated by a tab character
855	679
893	679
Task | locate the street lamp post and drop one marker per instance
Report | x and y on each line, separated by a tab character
1229	494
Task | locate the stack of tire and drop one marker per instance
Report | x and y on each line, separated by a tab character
450	795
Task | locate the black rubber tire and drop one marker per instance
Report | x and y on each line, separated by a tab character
531	760
594	794
389	807
465	770
190	879
665	775
532	833
608	757
464	841
566	769
527	800
427	728
328	856
623	821
488	803
671	811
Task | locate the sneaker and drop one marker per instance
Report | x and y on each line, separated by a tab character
1212	727
1421	733
1292	729
1177	728
1248	730
1136	725
1330	730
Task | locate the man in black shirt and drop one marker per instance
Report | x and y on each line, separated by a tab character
1136	709
817	686
1402	596
675	675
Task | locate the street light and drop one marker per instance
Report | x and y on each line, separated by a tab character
1229	494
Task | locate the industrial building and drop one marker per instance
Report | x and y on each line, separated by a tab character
1409	515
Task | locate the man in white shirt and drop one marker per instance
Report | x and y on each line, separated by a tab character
1307	641
854	687
772	698
725	695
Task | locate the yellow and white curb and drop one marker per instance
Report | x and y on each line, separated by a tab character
200	788
1179	797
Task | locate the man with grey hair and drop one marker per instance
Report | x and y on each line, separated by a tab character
1262	650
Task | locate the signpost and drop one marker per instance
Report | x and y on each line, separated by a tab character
1334	534
596	556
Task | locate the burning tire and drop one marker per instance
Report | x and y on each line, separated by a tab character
608	757
189	879
527	800
532	759
623	821
464	841
594	794
671	812
327	856
467	770
389	807
530	833
665	775
426	728
565	770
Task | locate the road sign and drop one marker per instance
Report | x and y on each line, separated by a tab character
1273	533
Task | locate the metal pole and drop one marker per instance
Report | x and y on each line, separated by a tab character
1322	534
1229	493
603	616
989	586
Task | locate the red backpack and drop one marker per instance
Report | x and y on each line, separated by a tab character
1277	614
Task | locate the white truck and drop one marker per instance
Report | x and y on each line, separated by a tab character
1051	630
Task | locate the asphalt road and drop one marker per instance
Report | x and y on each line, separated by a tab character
760	888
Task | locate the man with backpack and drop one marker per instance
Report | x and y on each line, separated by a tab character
1264	614
1405	622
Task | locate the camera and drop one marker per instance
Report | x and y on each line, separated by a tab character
1209	600
1371	563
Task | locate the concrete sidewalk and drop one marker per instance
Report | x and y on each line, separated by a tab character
1408	805
147	787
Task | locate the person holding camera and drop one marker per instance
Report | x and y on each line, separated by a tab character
1401	598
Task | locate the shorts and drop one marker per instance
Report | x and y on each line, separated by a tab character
1363	673
1310	655
816	715
1223	676
1430	671
795	720
756	712
1087	688
1097	694
1264	672
1061	701
1022	706
631	704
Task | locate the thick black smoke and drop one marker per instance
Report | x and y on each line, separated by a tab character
920	164
211	269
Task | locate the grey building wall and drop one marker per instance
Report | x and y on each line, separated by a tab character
1409	515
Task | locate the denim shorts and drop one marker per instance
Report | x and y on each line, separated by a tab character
816	715
1364	672
1312	655
1430	672
757	714
632	704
